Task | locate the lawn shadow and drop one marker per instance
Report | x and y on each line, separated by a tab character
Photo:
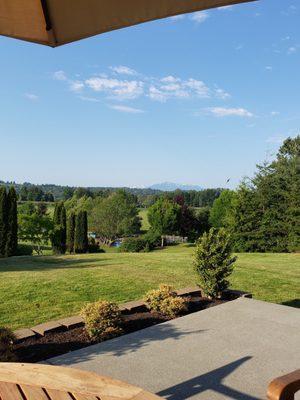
126	344
212	380
292	303
41	263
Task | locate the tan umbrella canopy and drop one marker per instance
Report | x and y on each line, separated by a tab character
56	22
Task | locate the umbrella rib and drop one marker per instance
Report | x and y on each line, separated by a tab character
49	27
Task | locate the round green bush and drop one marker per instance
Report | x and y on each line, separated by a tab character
134	245
24	250
153	238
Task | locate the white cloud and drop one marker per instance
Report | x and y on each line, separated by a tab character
273	113
90	99
76	86
198	87
155	88
177	17
239	47
292	9
31	96
123	70
126	109
292	50
173	87
228	112
225	8
156	94
170	79
120	89
222	94
199	17
60	76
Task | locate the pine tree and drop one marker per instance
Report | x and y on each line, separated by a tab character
12	223
247	216
71	232
3	220
81	240
59	234
213	261
267	211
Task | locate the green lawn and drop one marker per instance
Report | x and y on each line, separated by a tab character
37	289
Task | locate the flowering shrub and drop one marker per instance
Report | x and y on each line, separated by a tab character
102	320
165	301
173	306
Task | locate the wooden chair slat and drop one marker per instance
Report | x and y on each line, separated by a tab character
43	382
58	394
33	392
80	396
145	396
9	391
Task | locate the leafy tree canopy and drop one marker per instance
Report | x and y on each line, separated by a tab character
115	216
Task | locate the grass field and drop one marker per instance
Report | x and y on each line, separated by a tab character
37	289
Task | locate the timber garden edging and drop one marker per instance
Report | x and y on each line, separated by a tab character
75	321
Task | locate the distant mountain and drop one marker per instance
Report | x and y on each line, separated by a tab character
170	187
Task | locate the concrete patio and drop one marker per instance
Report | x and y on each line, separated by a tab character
230	351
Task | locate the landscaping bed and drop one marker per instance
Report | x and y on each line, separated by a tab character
64	340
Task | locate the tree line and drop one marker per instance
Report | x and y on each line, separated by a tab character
263	214
145	196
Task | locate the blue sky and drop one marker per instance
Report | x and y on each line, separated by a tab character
194	99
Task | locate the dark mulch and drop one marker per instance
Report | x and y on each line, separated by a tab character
57	343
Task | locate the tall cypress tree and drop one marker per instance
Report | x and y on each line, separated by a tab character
59	235
3	220
56	215
63	223
12	223
81	229
71	232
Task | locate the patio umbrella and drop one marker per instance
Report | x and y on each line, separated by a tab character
56	22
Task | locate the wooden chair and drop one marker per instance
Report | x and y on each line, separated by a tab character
43	382
284	387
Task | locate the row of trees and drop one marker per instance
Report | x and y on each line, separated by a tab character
118	215
109	217
263	214
8	222
145	197
34	193
65	234
69	234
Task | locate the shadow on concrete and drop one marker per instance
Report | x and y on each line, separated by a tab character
212	380
292	303
126	344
